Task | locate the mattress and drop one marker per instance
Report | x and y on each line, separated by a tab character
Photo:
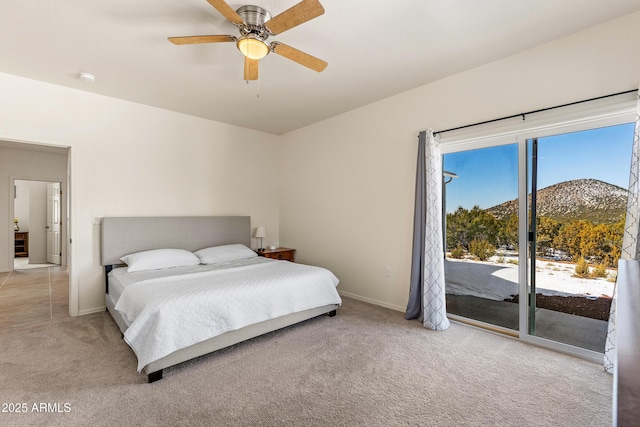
119	278
168	310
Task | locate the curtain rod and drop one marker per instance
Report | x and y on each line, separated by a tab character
535	111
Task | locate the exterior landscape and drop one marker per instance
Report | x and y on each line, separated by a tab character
578	240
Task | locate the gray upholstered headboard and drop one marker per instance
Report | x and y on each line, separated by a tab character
126	235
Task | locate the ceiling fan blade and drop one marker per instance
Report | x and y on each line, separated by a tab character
298	14
226	11
200	39
251	68
299	56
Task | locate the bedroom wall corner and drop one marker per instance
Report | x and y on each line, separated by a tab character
348	182
128	159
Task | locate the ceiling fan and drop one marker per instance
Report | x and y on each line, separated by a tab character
256	25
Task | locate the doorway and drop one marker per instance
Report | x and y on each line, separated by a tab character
577	207
24	161
533	234
482	261
37	224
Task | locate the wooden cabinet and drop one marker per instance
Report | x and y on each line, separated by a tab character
21	243
286	254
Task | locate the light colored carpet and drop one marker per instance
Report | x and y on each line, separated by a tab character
365	367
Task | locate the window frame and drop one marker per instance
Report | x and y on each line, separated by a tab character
617	110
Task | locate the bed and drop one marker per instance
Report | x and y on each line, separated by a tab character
171	313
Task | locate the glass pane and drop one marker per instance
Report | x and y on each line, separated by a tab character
481	239
581	199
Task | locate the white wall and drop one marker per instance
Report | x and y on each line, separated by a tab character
347	183
21	203
134	160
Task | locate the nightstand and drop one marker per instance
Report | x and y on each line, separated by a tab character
21	243
286	254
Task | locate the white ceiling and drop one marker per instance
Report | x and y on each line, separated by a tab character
374	50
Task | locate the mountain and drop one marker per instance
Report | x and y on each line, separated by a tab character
588	199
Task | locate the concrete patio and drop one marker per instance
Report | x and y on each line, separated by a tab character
566	328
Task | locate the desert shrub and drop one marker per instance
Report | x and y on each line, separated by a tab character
464	226
599	271
582	268
546	232
512	261
457	252
587	239
507	235
481	249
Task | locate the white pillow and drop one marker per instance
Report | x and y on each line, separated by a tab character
156	259
224	253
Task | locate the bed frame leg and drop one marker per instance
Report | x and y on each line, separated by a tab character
154	376
332	313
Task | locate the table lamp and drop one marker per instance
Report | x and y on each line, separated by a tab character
261	232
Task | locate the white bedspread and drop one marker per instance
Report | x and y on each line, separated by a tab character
170	313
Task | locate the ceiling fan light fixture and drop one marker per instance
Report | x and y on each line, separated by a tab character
252	47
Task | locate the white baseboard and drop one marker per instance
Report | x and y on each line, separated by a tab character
346	294
92	310
373	301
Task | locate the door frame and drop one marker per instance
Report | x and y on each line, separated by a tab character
67	186
63	212
595	114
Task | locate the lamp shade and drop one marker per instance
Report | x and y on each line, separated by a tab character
252	47
260	232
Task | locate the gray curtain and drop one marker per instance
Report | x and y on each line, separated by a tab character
427	299
414	306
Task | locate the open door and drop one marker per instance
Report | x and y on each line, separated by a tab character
53	223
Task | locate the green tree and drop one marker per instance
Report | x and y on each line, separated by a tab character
464	226
546	232
569	238
457	231
599	242
508	231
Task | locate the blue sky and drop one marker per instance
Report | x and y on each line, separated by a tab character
489	176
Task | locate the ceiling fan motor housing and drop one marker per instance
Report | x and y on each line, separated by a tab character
255	25
252	43
254	18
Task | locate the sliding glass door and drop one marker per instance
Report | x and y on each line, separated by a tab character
481	217
578	196
533	234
